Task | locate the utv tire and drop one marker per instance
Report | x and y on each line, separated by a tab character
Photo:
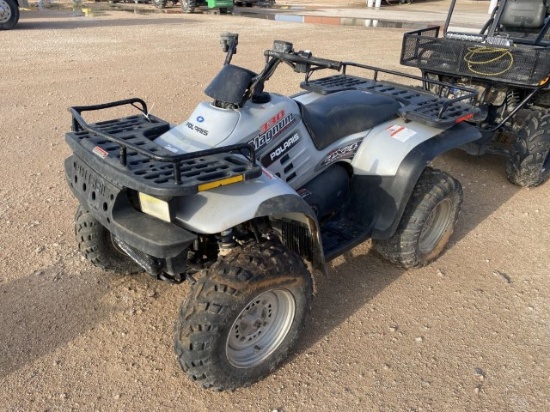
159	4
188	6
226	10
427	223
529	165
9	14
243	316
95	243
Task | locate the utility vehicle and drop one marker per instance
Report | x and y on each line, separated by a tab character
256	190
507	61
225	6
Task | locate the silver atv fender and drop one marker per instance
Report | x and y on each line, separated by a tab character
389	163
219	209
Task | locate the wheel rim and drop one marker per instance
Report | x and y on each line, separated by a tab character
5	11
260	328
436	225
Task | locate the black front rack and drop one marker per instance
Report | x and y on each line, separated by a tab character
124	148
419	104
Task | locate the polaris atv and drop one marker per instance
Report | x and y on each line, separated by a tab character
256	189
508	62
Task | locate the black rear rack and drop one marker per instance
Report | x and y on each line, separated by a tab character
122	150
471	55
420	105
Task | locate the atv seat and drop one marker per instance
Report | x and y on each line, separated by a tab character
340	114
524	15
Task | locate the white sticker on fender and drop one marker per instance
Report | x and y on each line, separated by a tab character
400	133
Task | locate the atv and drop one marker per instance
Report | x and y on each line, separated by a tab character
508	62
256	191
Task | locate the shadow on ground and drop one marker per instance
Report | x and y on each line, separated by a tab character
43	311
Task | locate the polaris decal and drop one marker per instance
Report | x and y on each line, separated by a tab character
343	152
271	129
197	129
280	150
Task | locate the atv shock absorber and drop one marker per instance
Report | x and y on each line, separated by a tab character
226	242
512	100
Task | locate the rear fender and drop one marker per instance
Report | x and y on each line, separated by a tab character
216	210
387	170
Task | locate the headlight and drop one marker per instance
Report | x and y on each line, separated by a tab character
154	207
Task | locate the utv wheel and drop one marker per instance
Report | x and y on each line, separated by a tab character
159	4
243	317
529	165
188	6
95	243
427	223
9	14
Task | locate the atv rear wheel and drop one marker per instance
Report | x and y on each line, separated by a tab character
529	165
9	14
96	244
427	223
243	317
159	4
188	6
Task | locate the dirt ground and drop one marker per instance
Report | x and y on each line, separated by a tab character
469	332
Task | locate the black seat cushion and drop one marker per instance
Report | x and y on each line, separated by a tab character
340	114
523	14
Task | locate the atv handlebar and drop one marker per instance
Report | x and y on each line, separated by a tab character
303	58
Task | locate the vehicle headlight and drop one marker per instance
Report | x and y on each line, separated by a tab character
154	207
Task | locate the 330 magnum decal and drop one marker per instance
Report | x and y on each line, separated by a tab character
280	150
271	129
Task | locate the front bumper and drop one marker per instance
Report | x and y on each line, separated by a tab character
110	205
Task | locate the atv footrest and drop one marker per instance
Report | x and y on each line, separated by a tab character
338	235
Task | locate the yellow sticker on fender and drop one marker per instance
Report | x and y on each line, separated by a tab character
221	182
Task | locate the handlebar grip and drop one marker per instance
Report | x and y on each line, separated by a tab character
299	58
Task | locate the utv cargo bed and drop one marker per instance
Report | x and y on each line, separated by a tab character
466	55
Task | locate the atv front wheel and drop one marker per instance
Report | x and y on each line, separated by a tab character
427	223
188	6
529	165
9	14
96	244
243	316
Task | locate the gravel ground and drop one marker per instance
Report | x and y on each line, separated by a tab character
467	333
